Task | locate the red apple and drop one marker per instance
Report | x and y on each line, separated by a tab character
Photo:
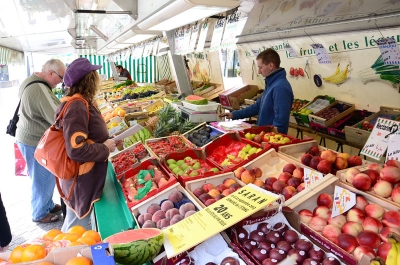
289	168
299	173
354	161
305	159
369	238
313	150
347	242
362	182
284	176
269	181
324	166
295	182
328	155
325	199
314	162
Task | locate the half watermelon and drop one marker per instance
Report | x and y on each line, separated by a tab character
193	99
134	247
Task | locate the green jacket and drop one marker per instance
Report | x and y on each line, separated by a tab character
38	105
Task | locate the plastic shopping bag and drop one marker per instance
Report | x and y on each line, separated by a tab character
20	165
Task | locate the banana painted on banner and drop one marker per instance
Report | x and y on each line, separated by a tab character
339	78
337	71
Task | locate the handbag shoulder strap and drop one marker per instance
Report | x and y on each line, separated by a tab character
69	102
19	103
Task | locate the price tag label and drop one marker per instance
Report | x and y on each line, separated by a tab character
215	218
186	40
377	143
343	200
155	47
202	37
311	176
217	35
389	50
179	34
322	54
393	151
193	38
290	50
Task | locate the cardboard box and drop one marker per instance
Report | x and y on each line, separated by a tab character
324	122
310	202
301	118
214	93
356	135
121	125
234	97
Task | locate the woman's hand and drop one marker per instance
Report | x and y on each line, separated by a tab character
2	249
111	144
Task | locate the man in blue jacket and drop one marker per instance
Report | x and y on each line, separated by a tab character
274	105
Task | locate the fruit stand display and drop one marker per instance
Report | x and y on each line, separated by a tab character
319	121
317	104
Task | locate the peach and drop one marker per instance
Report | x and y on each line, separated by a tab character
208	186
361	202
269	181
328	155
305	216
391	219
238	172
331	232
383	250
288	192
314	162
153	208
213	193
258	182
390	174
383	188
386	231
306	159
257	172
278	185
219	197
158	216
171	213
338	221
228	182
166	205
362	182
301	187
352	228
396	195
294	182
298	173
373	174
189	213
347	242
355	215
324	166
314	150
372	224
364	250
343	155
354	161
163	223
341	163
289	168
209	202
392	163
375	166
227	192
185	208
374	210
323	212
149	224
221	187
284	176
177	218
350	174
368	238
234	187
204	197
325	199
143	218
176	196
247	177
317	223
198	191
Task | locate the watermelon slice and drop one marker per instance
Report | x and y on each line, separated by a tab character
135	247
193	99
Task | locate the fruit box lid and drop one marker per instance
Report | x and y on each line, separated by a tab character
144	165
195	154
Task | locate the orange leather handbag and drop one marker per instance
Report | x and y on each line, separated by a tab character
52	154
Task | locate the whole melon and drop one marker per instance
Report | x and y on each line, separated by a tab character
193	99
136	246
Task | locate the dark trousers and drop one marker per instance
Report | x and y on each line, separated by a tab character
5	231
63	208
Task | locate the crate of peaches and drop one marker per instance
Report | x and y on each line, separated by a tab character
276	173
359	233
189	165
382	181
144	181
231	151
320	158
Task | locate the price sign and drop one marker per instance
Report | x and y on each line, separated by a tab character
377	143
322	54
186	40
217	35
231	30
202	37
343	200
193	38
389	50
178	41
393	151
215	218
290	50
155	47
311	176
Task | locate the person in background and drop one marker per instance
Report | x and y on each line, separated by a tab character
123	72
274	105
5	231
38	105
86	141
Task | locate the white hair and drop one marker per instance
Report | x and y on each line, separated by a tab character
53	65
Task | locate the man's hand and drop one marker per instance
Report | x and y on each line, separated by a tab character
2	249
229	115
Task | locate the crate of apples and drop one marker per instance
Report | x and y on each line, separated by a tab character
209	190
382	181
359	233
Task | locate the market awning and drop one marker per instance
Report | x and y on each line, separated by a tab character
8	56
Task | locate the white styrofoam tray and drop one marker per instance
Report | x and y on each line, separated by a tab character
209	107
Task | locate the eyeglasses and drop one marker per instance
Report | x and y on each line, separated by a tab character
61	77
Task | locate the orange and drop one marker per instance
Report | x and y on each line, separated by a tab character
45	263
16	254
71	237
115	113
76	243
77	229
51	234
121	113
59	237
95	235
79	261
87	240
33	252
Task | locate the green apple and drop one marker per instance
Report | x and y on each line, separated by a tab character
242	154
196	165
231	157
184	166
252	151
214	169
194	173
286	140
171	161
176	170
248	136
246	148
172	166
258	150
180	162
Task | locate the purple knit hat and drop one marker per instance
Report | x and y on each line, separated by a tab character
77	70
